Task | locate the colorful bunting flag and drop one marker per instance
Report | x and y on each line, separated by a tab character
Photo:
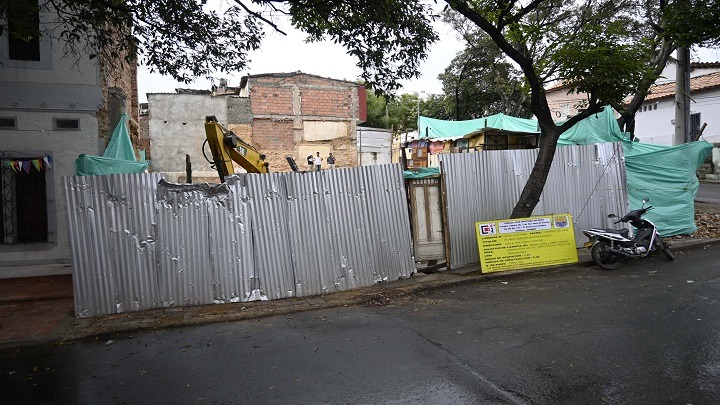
18	166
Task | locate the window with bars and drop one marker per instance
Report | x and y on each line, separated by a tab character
23	201
694	126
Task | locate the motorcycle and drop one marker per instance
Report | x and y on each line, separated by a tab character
610	248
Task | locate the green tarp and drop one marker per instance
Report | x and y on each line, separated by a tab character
118	158
597	128
663	174
422	173
433	129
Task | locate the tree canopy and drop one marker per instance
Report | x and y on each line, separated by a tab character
189	39
606	49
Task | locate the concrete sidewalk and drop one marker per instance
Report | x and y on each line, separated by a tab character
40	310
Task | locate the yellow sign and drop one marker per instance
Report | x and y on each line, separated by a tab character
524	243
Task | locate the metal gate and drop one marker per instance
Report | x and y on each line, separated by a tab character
426	215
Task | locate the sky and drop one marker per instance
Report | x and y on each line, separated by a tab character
282	54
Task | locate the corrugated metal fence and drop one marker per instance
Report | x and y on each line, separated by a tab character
586	181
138	242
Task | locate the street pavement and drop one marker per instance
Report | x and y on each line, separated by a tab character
643	334
646	333
40	309
709	192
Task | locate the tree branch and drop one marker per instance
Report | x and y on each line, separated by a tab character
259	16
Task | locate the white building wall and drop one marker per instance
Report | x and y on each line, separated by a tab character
707	104
54	66
177	127
35	92
35	134
669	73
658	125
374	146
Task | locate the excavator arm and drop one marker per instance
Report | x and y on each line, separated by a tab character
226	147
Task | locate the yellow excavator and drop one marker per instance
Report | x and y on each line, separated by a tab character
226	147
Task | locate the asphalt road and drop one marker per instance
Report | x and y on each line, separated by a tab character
648	333
708	193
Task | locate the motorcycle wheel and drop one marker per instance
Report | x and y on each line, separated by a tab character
601	255
663	247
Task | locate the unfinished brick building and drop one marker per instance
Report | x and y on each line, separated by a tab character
281	114
299	114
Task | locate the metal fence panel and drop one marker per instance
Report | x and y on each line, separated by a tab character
231	249
309	233
110	225
346	203
389	221
271	241
183	225
139	242
586	181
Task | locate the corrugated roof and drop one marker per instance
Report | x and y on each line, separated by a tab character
698	83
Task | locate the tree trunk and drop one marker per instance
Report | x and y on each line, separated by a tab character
530	195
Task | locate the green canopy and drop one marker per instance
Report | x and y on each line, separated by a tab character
119	156
434	129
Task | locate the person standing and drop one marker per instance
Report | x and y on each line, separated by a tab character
317	161
310	161
331	161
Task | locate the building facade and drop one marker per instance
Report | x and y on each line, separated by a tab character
280	114
54	106
655	120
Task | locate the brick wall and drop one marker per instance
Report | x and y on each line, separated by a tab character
271	101
275	139
119	85
326	102
281	103
144	135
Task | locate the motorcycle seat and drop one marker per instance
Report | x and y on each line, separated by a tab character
624	232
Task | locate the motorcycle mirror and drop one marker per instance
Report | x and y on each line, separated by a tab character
612	216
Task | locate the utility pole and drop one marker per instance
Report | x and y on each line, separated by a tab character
682	96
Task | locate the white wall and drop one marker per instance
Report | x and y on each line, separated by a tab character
657	126
35	92
34	133
670	71
374	146
54	66
177	127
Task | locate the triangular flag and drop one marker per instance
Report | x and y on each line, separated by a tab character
46	159
26	166
15	165
37	164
